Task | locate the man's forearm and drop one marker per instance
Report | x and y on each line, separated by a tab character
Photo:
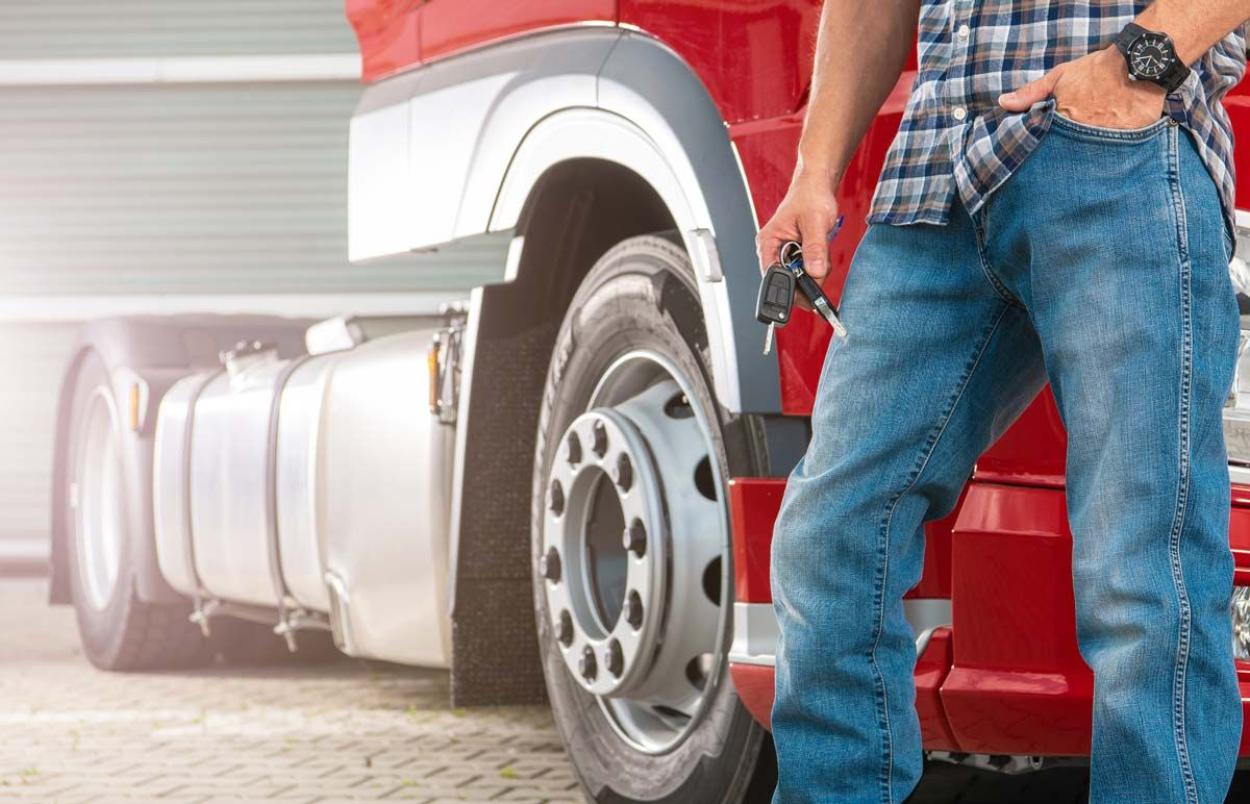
859	57
1194	25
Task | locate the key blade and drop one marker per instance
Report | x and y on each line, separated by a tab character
826	312
768	338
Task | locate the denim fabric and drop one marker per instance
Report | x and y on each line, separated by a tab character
1100	266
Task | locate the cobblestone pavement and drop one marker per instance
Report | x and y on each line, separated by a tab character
347	730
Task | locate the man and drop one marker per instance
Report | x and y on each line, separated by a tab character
1076	229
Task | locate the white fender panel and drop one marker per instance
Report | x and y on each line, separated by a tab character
427	149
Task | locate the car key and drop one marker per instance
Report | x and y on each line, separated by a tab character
775	301
792	259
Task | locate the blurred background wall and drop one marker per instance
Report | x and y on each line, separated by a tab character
161	156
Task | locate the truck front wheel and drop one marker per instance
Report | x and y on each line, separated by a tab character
118	630
632	566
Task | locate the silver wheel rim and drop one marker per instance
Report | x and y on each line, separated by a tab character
635	553
100	504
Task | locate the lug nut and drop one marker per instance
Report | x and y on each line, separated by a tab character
614	659
635	539
557	498
586	664
549	565
599	434
631	610
624	475
574	447
564	628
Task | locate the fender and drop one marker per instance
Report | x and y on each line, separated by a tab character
449	153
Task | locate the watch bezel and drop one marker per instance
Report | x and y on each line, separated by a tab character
1159	41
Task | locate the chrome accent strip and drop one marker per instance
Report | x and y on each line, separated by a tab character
755	635
756	631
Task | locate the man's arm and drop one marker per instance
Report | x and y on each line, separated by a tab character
1096	88
859	58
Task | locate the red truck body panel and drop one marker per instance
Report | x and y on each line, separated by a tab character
1006	677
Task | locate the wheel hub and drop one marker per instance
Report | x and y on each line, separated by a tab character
596	555
632	552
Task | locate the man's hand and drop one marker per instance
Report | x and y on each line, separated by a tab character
1094	89
807	215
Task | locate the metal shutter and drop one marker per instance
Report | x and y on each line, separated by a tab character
32	357
46	29
188	188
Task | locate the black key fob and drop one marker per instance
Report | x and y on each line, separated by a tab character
776	299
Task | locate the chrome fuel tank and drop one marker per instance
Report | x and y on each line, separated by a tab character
321	483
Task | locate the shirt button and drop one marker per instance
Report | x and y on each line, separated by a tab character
962	32
959	113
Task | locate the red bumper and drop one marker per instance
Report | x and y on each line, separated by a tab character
1006	677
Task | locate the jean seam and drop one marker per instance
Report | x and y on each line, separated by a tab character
978	228
883	549
1182	494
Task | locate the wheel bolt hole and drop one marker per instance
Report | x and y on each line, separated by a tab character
703	480
586	664
624	474
614	658
573	449
632	610
556	498
698	670
564	628
635	538
599	439
678	407
549	565
712	581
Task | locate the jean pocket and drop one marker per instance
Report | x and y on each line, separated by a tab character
1089	130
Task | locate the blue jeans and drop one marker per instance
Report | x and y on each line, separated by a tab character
1101	266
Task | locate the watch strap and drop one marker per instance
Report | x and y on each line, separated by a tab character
1130	32
1174	76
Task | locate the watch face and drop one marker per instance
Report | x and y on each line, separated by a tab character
1150	55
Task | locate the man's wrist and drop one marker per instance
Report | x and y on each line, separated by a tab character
826	170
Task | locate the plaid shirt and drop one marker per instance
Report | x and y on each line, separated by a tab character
955	137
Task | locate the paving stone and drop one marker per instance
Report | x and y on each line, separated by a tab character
343	731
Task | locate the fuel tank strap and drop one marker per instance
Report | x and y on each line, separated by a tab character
281	592
205	380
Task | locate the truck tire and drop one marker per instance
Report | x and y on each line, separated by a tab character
630	544
118	630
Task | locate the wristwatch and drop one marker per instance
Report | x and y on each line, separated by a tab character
1151	56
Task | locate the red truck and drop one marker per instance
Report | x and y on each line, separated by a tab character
566	486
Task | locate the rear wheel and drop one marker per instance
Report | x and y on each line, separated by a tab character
633	571
118	631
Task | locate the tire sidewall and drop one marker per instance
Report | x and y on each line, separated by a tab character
640	295
99	629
